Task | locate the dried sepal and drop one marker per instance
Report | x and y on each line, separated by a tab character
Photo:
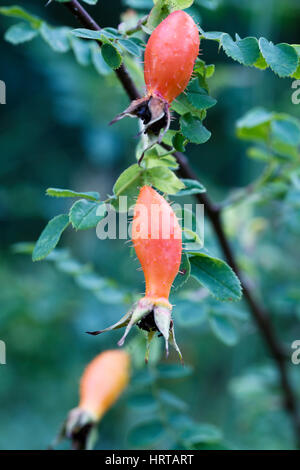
142	308
150	337
79	427
162	317
154	112
151	317
172	341
120	324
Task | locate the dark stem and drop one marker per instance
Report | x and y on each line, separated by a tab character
213	213
88	22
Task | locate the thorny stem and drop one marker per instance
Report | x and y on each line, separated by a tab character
213	213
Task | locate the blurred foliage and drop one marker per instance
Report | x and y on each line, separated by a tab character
55	133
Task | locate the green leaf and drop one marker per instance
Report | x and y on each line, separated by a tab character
183	273
86	214
297	73
193	129
20	32
111	56
216	276
201	433
179	142
162	8
130	47
163	179
209	70
255	117
90	2
168	137
192	230
19	12
154	158
70	266
282	58
142	378
57	38
211	35
191	241
142	402
139	42
180	421
81	50
223	329
50	236
182	105
181	4
286	130
280	132
87	33
159	12
198	96
255	125
245	51
139	4
259	154
146	434
128	185
111	33
173	371
59	254
172	401
285	135
57	192
261	63
191	187
126	179
190	314
90	281
25	248
98	61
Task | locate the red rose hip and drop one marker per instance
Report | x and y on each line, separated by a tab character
157	240
170	56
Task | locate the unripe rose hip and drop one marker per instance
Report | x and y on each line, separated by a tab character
156	236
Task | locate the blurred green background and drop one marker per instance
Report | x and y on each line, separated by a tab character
54	132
